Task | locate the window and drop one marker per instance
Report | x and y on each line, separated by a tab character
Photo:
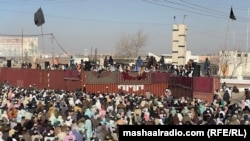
181	45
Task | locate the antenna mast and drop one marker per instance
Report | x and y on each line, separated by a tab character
185	16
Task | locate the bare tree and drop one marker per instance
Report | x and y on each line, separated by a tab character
129	46
224	62
238	60
123	47
230	59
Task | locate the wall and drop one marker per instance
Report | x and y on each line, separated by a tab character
240	83
112	82
194	87
71	80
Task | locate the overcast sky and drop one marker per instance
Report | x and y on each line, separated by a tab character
82	25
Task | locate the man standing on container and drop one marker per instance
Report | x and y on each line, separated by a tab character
207	67
138	64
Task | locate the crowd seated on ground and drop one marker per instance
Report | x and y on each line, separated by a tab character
59	115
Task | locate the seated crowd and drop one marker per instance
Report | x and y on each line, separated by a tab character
31	114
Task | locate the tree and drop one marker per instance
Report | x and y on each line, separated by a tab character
238	60
230	59
129	46
224	60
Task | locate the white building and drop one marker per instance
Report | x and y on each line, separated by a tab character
190	56
13	46
234	64
179	37
167	57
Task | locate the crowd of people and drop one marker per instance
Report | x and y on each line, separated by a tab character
149	64
31	114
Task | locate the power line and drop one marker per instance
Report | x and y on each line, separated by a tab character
199	10
30	35
43	2
181	6
60	45
200	7
211	10
163	3
194	8
89	19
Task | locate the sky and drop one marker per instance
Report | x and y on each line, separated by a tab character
81	26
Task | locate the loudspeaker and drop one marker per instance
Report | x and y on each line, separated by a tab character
87	66
197	70
46	65
9	63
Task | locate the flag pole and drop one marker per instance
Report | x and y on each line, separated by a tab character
225	44
53	58
222	60
42	38
231	17
22	46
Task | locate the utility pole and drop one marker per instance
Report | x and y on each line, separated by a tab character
95	54
52	42
22	46
246	55
91	55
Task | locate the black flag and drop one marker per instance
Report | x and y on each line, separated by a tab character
232	14
39	17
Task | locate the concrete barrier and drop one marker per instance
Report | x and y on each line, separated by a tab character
241	84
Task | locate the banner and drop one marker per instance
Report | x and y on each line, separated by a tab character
71	75
104	77
133	78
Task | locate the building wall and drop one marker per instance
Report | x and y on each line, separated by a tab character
18	46
190	56
238	63
179	44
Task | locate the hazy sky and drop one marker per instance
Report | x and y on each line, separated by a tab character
80	25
